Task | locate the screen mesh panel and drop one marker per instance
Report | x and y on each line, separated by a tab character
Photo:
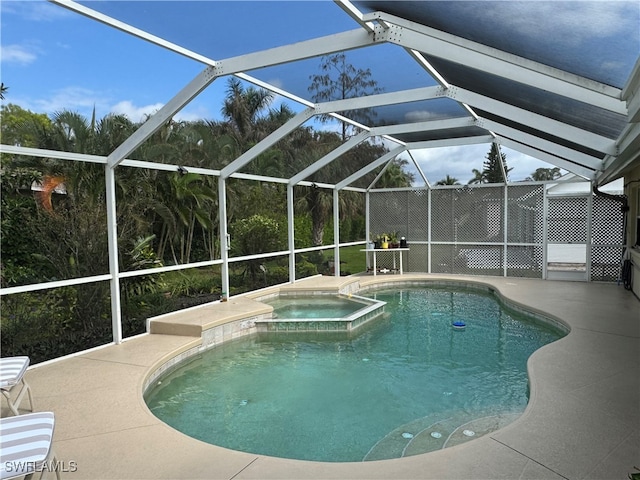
525	214
467	214
417	258
524	261
418	215
467	229
388	211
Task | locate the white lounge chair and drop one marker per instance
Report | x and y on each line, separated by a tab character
12	370
25	446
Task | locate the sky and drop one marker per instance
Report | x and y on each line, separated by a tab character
53	59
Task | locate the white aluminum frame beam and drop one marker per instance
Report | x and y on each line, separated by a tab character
629	146
269	141
112	242
57	154
387	157
450	142
330	157
125	27
631	93
424	63
354	13
336	233
544	145
316	47
547	157
375	180
534	120
481	57
382	99
157	120
224	238
291	241
420	172
430	125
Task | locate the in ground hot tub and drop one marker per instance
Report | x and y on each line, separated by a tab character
320	312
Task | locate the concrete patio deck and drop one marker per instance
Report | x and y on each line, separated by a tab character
582	421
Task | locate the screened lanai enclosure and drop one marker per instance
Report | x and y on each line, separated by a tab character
376	100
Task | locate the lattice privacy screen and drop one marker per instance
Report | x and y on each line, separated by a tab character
607	235
472	230
567	220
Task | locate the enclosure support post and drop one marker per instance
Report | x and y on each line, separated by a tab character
367	224
505	226
545	230
224	238
290	235
429	246
589	240
112	239
336	233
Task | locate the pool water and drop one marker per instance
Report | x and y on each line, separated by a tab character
317	306
407	385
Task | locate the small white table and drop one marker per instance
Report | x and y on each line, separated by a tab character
393	250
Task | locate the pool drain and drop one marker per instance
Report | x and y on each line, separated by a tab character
407	435
436	434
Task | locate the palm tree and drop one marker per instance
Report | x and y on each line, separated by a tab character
395	175
448	180
241	109
542	174
318	202
478	177
193	199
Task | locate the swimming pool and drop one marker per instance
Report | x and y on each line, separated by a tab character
410	383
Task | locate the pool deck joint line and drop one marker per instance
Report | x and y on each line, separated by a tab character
581	421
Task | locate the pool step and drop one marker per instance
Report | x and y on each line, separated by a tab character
432	432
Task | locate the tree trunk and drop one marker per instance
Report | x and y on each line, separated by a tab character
317	232
318	217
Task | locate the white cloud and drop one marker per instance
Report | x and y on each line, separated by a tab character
133	112
191	113
77	99
84	101
420	116
19	54
459	161
38	11
602	18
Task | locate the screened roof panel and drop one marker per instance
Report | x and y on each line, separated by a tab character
382	61
215	28
405	113
543	135
446	133
596	40
564	61
548	104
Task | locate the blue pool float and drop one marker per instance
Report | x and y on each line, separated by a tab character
459	325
